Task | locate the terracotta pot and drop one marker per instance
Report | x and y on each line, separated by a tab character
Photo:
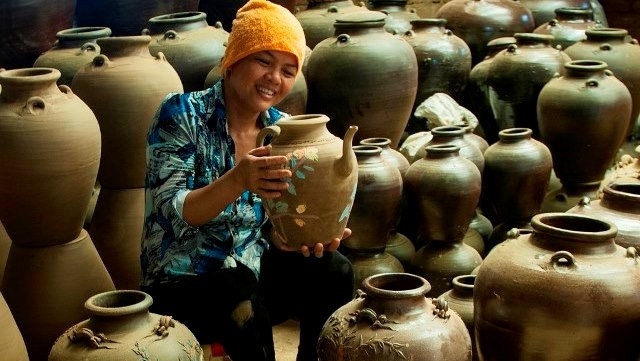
124	87
189	43
376	203
453	134
369	264
443	188
611	45
389	154
569	26
28	28
542	304
318	18
73	49
120	327
444	60
321	164
11	341
127	17
49	150
620	205
479	21
476	97
460	299
516	77
392	320
46	286
516	175
399	16
584	112
342	71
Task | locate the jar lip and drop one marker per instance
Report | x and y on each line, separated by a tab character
586	64
396	285
572	226
118	302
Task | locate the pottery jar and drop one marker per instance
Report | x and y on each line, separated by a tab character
73	49
569	26
120	327
565	291
622	56
391	319
321	165
453	134
460	299
190	44
318	18
399	17
369	264
543	11
352	78
50	149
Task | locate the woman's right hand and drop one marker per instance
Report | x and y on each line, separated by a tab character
262	173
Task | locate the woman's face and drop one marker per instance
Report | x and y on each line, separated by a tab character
262	79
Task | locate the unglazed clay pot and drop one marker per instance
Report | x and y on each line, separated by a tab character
515	178
391	319
543	11
460	299
369	264
343	71
120	327
317	204
569	26
516	77
620	205
389	154
399	16
453	134
622	56
49	150
564	292
190	44
318	18
73	49
377	200
479	21
124	87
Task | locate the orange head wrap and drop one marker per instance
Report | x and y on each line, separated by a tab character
262	25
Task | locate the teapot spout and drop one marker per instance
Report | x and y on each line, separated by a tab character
348	161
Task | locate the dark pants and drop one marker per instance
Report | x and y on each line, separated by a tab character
291	286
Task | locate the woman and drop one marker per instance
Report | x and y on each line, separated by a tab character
204	256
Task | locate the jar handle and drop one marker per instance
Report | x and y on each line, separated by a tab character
35	105
272	130
563	259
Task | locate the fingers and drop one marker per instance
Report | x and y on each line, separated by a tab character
305	251
318	250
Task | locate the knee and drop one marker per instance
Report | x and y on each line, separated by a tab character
242	313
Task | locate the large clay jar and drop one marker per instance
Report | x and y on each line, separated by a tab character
347	71
622	56
569	26
49	151
73	49
479	21
460	299
369	264
124	87
321	165
476	97
376	203
583	118
454	134
620	205
11	341
318	18
391	319
564	292
516	174
444	60
543	11
389	154
46	286
516	76
190	44
28	28
399	17
120	327
127	17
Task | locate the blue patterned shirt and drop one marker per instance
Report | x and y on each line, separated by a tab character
189	146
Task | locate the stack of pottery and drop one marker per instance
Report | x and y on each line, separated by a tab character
583	118
374	214
190	44
346	75
50	151
123	86
443	188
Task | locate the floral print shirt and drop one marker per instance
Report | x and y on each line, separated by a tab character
189	146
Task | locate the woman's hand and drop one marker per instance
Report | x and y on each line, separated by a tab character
318	249
263	174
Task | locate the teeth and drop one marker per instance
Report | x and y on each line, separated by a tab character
266	91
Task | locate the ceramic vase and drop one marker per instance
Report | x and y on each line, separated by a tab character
391	319
120	327
73	49
342	71
189	43
50	149
454	134
541	304
321	164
